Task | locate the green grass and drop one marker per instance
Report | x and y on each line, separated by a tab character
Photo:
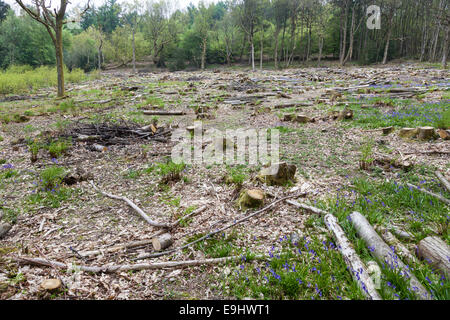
52	177
237	174
217	246
390	203
404	114
24	79
310	270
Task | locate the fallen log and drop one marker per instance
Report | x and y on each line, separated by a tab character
400	249
129	267
385	254
133	206
163	113
443	180
351	258
436	252
439	197
129	245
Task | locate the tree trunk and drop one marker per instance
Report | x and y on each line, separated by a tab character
277	33
445	45
388	40
134	51
262	51
344	35
253	52
204	42
59	60
320	50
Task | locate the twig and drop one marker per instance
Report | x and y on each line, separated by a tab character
133	206
159	254
443	180
429	193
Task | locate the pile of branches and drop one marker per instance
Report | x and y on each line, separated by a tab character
120	133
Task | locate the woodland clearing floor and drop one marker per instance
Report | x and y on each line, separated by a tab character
327	152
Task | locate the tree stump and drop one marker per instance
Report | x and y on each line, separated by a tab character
346	114
253	198
388	130
303	119
51	284
426	133
278	174
436	252
4	229
289	117
162	242
408	133
444	134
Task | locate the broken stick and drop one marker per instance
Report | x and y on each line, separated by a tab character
133	206
439	197
443	180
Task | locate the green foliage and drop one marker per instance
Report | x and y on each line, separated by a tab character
52	177
310	270
444	121
22	79
237	174
58	147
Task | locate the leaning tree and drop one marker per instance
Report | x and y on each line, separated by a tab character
53	20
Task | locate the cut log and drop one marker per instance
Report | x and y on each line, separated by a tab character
99	147
408	133
385	254
400	233
163	113
400	249
443	180
351	258
437	196
278	174
253	198
436	252
51	284
83	138
162	242
444	134
4	229
426	133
